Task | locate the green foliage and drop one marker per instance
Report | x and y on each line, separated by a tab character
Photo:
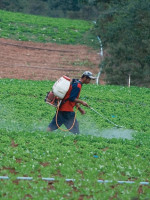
53	8
43	29
124	30
28	150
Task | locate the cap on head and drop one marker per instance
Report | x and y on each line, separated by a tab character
89	75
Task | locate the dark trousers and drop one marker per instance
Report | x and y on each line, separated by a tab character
66	118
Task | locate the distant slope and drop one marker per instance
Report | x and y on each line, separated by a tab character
44	29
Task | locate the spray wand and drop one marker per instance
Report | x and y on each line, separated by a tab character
105	118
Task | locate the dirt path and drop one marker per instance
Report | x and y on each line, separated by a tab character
38	61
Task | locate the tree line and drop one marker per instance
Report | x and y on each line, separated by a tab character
122	25
52	8
125	31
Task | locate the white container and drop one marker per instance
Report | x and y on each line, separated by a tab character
61	87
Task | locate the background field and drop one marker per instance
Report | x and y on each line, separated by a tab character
42	48
100	152
25	27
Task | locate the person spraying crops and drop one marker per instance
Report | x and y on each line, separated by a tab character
65	113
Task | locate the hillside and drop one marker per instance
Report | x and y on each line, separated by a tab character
28	50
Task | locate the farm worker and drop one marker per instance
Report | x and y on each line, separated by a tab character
65	114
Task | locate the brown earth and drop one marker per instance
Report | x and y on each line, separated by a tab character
39	61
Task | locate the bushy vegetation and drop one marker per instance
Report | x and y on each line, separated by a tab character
124	29
28	150
52	8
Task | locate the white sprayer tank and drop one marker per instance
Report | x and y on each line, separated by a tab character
61	87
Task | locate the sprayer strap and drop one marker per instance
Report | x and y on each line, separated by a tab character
64	101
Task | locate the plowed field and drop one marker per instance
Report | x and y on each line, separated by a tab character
39	61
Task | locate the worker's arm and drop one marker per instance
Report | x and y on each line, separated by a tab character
81	102
80	109
75	93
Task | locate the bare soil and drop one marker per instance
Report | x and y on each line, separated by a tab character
39	61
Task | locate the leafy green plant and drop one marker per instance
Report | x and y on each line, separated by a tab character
28	150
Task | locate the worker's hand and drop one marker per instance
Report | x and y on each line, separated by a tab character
85	104
81	111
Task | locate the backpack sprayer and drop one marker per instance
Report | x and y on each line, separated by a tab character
59	90
55	97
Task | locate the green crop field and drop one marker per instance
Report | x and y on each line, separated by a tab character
100	152
85	166
25	27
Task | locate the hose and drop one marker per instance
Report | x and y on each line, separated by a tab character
106	118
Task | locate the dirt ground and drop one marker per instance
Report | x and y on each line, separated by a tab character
39	61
